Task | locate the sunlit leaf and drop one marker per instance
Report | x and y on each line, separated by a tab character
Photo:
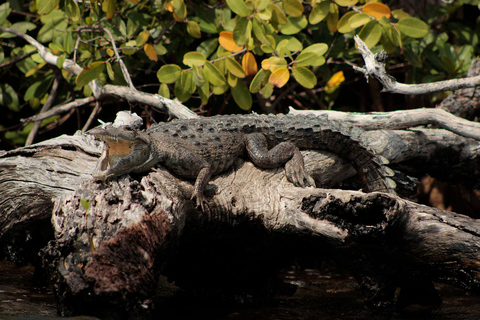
142	38
150	52
259	31
72	10
213	75
399	14
376	10
359	20
180	9
279	77
249	64
260	79
4	11
110	72
335	80
278	16
90	73
293	8
319	12
234	67
294	25
194	58
46	6
305	77
274	63
332	18
343	25
239	7
346	3
371	33
169	73
305	59
413	27
109	6
193	29
242	31
227	42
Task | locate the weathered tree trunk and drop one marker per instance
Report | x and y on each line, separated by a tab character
108	246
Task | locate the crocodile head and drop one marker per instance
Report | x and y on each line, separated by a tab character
125	150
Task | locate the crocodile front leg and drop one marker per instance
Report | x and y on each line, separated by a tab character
283	153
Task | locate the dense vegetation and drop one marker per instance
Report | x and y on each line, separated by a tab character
224	56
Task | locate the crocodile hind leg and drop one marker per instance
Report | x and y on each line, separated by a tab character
283	153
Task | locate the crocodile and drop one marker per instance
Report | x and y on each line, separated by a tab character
201	147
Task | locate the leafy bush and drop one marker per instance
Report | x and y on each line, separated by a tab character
199	51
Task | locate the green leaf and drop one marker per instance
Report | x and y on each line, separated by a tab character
319	12
239	7
85	204
234	67
305	59
260	80
343	25
60	61
305	77
273	63
242	31
184	86
22	27
169	73
142	38
346	3
72	10
267	90
90	73
371	33
259	31
293	8
54	24
261	4
8	97
198	76
242	96
180	9
278	17
204	92
194	58
110	72
213	75
4	11
294	25
317	48
193	29
359	20
413	27
46	6
207	47
164	91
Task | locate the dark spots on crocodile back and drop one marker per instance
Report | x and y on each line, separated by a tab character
216	138
183	127
196	143
175	135
192	136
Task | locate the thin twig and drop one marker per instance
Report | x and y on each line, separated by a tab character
375	66
48	104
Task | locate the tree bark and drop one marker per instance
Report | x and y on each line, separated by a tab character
109	246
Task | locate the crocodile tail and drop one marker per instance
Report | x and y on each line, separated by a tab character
372	168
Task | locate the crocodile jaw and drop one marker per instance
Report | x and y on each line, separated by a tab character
124	151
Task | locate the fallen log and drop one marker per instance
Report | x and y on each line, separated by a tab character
113	249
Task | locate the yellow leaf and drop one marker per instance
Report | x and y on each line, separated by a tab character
110	52
274	63
177	18
335	80
227	42
249	64
280	77
150	52
169	6
377	10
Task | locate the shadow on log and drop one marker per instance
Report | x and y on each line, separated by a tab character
113	250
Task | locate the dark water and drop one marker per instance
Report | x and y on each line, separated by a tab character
320	295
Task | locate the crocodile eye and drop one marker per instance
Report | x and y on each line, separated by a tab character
127	128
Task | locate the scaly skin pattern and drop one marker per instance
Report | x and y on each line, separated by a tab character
202	147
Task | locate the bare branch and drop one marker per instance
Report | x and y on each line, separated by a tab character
404	119
375	66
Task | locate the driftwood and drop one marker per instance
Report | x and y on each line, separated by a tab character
114	249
